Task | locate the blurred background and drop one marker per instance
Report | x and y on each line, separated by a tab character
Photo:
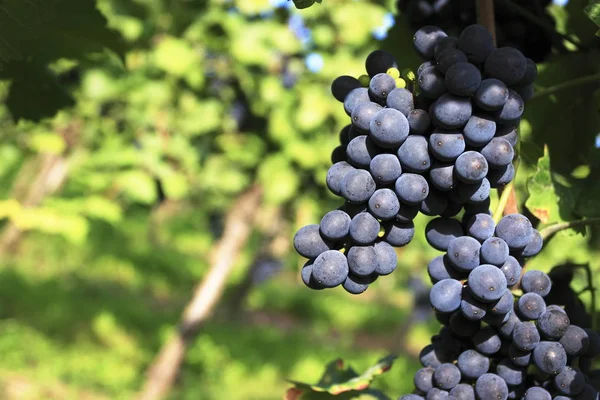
113	209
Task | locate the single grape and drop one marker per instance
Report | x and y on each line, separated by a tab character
385	168
481	227
463	253
575	341
507	64
309	243
498	152
534	246
530	74
508	132
432	83
307	277
361	150
536	282
446	376
512	110
537	393
501	176
442	176
549	357
362	260
512	374
487	283
355	284
345	135
364	228
506	328
553	324
357	186
384	204
526	92
494	251
518	357
381	85
472	308
414	154
445	295
491	95
335	174
363	113
450	111
342	85
423	379
402	100
419	121
462	79
355	98
425	40
387	259
335	225
471	167
411	397
440	268
474	192
530	306
430	356
480	130
411	188
570	381
502	306
449	58
444	44
476	42
472	364
330	268
389	128
516	230
424	65
446	146
462	391
398	234
525	336
439	232
379	61
338	154
434	204
487	341
437	394
407	212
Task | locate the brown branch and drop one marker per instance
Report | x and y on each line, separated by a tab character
551	230
238	226
486	16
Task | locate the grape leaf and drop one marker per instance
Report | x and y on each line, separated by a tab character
300	4
593	11
342	382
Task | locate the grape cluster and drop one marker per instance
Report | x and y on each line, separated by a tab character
512	28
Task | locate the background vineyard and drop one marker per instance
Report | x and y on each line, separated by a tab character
122	150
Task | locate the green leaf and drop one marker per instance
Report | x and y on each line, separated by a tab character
300	4
593	11
342	382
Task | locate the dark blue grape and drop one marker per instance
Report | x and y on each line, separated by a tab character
498	152
516	230
588	393
462	391
418	121
424	65
439	232
363	113
407	212
432	83
462	326
450	57
462	79
430	356
335	225
335	174
385	168
553	324
423	379
361	150
530	74
356	97
535	246
474	192
362	260
452	209
307	277
364	228
575	341
442	176
445	295
446	376
512	374
494	251
353	209
411	397
502	306
487	341
506	328
463	253
384	204
508	132
309	243
501	176
472	308
402	100
398	234
570	381
411	188
450	111
330	268
355	284
414	154
389	128
526	92
471	167
525	336
480	129
338	154
381	85
440	268
345	135
447	146
434	204
472	364
530	306
507	64
518	357
491	386
537	393
379	61
357	186
512	110
444	44
437	394
487	283
549	357
387	259
476	42
425	40
491	95
342	85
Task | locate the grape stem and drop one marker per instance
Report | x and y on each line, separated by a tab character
566	85
551	230
486	16
504	197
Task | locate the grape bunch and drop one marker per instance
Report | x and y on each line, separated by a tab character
512	27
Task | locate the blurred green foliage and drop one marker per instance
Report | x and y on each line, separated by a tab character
202	100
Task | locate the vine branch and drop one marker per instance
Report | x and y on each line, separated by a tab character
566	85
486	16
551	230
